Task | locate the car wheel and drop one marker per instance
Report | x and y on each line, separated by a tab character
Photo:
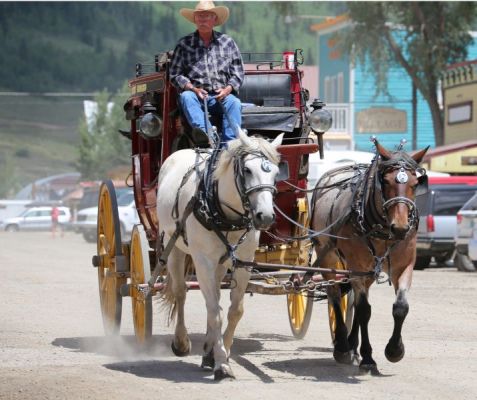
422	262
89	237
12	228
443	259
464	263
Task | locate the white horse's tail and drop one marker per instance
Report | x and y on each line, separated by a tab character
167	298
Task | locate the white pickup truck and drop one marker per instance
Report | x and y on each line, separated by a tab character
438	217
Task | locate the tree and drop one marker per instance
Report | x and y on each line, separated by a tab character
102	147
421	37
8	179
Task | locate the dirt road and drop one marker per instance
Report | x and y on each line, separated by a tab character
52	344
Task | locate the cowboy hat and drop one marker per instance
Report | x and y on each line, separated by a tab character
222	12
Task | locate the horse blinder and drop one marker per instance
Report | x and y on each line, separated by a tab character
422	185
283	171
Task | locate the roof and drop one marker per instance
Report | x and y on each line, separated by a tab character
450	148
461	64
331	22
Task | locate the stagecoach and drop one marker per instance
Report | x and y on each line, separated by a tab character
274	102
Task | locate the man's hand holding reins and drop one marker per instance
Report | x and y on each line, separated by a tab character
200	93
224	92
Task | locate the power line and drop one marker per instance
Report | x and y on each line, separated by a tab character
49	94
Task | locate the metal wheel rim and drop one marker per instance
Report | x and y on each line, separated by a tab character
300	305
299	313
108	247
140	274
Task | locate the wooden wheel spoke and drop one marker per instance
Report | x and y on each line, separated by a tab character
140	274
108	248
299	313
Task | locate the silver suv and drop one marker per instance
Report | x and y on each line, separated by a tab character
35	219
86	222
466	224
438	217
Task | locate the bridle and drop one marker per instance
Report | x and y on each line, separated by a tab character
372	208
240	180
413	216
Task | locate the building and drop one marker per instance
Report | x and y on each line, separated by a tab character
349	92
459	87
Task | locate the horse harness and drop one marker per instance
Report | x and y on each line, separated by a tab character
208	210
368	211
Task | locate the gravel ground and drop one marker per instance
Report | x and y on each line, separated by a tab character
52	344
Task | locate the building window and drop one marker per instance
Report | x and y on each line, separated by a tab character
340	90
327	90
459	113
334	88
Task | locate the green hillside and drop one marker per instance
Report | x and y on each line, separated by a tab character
78	47
39	135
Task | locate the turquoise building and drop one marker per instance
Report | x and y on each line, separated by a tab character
349	92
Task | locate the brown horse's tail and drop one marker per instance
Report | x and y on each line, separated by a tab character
166	298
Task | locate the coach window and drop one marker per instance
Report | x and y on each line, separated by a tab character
459	113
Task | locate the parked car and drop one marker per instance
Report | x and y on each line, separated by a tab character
465	233
438	217
87	218
473	247
35	219
91	194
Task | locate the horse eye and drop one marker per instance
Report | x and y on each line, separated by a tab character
247	171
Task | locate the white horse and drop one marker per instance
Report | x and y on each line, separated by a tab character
245	185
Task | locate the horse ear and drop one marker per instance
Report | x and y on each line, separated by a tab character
278	140
246	141
385	154
417	157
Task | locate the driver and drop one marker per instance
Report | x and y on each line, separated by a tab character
208	65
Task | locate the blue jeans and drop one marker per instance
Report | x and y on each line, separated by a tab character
193	109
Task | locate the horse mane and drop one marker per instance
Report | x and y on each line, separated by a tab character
237	148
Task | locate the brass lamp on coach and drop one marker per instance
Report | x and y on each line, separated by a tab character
150	125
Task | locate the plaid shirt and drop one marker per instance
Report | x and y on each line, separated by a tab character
210	68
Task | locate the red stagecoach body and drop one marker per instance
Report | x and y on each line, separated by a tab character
274	100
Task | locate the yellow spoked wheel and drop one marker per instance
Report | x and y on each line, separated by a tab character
109	259
140	274
300	307
347	310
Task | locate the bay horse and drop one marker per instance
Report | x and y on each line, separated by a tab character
370	214
221	213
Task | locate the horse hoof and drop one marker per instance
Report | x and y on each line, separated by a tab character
181	353
369	369
220	375
343	358
208	360
355	359
394	354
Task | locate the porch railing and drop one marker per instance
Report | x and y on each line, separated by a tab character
341	117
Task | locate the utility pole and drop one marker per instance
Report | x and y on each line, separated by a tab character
414	116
